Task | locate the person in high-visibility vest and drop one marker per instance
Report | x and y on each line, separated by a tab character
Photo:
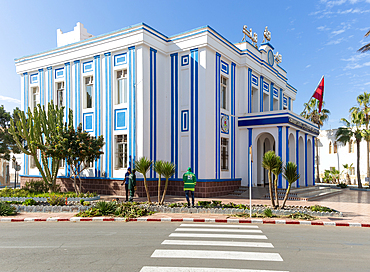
189	185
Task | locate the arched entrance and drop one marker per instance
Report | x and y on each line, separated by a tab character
301	162
309	163
265	142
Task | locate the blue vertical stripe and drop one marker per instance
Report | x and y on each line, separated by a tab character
287	151
217	115
97	110
261	93
108	126
67	77
305	159
25	108
194	110
174	111
249	90
42	90
132	65
281	98
280	153
232	133
153	108
77	92
50	83
271	96
313	159
297	155
289	104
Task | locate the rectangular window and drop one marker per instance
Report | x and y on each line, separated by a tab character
35	97
60	92
32	162
121	96
89	88
61	164
224	93
89	164
224	154
121	151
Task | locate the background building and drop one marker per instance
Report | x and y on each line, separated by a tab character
194	99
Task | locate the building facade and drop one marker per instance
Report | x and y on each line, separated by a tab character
195	99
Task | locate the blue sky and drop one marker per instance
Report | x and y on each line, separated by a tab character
315	38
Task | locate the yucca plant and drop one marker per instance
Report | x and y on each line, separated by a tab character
158	168
277	171
142	166
6	209
106	208
168	169
290	173
269	163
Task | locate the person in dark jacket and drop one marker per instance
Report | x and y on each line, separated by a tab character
126	181
132	184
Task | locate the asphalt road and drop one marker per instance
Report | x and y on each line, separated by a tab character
119	246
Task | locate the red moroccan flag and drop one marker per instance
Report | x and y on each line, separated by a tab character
319	93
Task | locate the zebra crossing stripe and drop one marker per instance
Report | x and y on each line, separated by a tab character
219	226
218	255
219	230
199	269
216	235
216	243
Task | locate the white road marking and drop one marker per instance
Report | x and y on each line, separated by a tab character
219	230
199	269
216	243
220	226
218	255
216	235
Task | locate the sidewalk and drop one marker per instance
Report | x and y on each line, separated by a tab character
355	206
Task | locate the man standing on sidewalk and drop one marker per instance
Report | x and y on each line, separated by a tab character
189	184
132	184
126	181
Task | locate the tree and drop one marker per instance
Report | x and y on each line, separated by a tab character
142	166
277	171
311	112
7	143
33	131
363	101
269	163
290	173
348	167
168	169
77	147
158	168
352	130
366	47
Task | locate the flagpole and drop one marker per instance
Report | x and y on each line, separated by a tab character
313	94
250	182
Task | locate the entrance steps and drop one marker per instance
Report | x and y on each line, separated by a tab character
307	193
240	191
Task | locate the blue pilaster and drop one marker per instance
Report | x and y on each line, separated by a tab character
305	159
50	83
290	104
67	76
42	87
97	107
77	102
25	108
108	115
287	150
261	94
194	109
297	155
153	108
174	111
281	98
232	117
280	152
271	96
132	94
217	115
249	90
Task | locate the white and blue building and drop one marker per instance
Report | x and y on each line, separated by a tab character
195	99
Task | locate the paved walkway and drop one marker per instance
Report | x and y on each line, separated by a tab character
355	206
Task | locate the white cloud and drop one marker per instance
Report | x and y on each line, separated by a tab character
356	65
309	65
337	32
10	99
338	41
331	4
323	28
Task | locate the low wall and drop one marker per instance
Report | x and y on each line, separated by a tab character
204	188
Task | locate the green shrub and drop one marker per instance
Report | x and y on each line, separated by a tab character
127	210
82	201
342	185
106	208
29	202
267	212
318	208
204	204
6	209
300	215
55	200
39	186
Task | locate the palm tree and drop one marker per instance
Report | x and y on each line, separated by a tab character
363	101
352	130
347	167
168	169
158	168
142	166
269	163
290	173
311	112
366	47
277	171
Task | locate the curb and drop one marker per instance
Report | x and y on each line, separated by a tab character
194	220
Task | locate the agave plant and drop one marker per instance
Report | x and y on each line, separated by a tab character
168	169
158	168
290	173
142	166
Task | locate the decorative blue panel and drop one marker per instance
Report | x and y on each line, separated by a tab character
266	87
120	119
34	78
224	67
120	59
88	121
87	67
184	60
185	120
59	73
285	102
255	80
276	93
224	123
